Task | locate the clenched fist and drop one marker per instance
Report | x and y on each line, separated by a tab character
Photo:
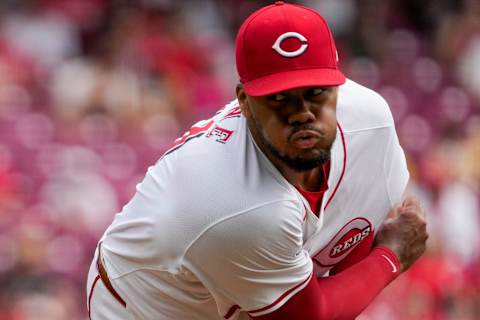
405	233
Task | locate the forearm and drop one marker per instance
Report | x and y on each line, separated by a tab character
348	293
343	296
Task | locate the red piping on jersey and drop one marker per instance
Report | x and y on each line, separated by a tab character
231	311
91	295
344	166
281	297
106	281
194	132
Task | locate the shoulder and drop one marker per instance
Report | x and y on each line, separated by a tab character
360	108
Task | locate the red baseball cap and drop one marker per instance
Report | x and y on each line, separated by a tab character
284	46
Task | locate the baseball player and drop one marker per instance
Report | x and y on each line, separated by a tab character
275	208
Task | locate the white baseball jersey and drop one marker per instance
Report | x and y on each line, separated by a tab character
214	230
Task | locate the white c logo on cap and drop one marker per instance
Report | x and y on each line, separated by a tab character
290	54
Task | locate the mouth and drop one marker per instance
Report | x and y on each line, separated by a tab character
305	139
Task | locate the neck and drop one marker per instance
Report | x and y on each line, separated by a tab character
310	180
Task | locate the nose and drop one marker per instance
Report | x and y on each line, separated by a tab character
302	113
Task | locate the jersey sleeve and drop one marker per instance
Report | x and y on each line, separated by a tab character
253	261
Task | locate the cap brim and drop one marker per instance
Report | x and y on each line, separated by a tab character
292	80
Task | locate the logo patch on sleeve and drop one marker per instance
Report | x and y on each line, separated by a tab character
221	134
344	241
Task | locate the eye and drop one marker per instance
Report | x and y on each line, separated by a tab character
278	97
317	91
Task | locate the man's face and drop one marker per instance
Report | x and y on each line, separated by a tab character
297	127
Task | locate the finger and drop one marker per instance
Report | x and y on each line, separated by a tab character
410	201
412	204
413	218
420	211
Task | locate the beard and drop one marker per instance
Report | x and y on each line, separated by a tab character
298	163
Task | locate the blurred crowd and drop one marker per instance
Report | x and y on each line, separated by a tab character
92	92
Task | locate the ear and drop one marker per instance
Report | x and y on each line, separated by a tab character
243	101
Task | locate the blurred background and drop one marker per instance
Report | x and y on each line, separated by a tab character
92	92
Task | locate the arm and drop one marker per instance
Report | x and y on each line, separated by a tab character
396	179
345	295
342	296
360	252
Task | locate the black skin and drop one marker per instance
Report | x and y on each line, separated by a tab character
405	232
274	119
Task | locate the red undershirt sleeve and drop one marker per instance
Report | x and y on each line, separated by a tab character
344	295
359	253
